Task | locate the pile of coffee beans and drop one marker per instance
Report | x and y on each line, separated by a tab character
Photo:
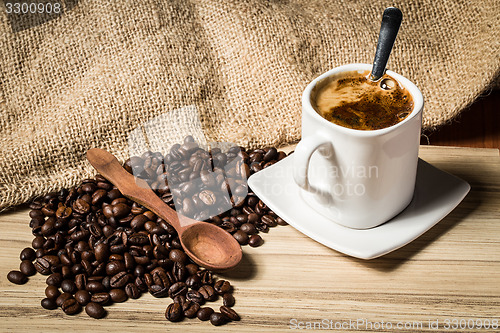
97	247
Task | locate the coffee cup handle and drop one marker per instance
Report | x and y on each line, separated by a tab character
302	156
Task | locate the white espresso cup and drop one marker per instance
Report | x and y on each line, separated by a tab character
357	178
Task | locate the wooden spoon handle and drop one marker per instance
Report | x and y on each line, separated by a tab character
133	188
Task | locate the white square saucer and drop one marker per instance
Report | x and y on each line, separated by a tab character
437	193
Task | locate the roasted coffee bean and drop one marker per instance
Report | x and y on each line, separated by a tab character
179	271
81	206
101	298
241	237
82	297
42	266
174	312
37	242
207	197
228	299
229	313
52	260
114	194
206	277
269	220
36	214
222	287
118	295
62	298
116	257
207	178
48	228
95	310
160	252
68	286
129	261
120	210
195	296
139	271
63	212
192	269
27	254
255	241
17	277
27	268
54	279
158	291
95	287
52	292
218	319
252	201
253	218
160	277
49	304
119	280
132	291
81	281
208	292
193	281
248	228
204	313
178	255
65	259
138	239
114	267
180	299
98	197
280	221
178	288
188	208
66	272
192	310
228	226
140	284
271	154
71	306
101	252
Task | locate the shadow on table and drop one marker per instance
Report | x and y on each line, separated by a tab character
393	260
246	269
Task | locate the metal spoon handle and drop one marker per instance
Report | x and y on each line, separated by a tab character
391	20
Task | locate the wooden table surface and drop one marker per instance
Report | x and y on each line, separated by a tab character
450	272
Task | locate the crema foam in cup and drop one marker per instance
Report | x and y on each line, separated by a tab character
352	100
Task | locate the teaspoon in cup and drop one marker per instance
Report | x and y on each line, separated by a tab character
391	21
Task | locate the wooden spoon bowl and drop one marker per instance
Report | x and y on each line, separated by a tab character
208	245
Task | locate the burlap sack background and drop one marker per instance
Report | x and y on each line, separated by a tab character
92	75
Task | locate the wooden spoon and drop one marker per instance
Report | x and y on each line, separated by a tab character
205	243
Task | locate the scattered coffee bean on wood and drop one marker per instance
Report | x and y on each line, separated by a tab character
17	277
97	247
228	300
49	304
27	268
229	313
95	310
218	319
205	313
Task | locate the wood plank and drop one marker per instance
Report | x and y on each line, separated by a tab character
452	271
476	126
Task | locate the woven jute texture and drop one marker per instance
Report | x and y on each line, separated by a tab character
100	73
